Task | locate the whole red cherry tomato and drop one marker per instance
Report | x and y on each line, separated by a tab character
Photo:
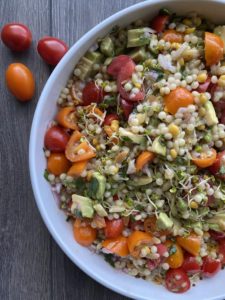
190	264
210	266
51	49
114	228
109	118
56	139
92	93
20	81
16	36
177	281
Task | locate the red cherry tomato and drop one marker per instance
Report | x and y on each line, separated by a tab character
56	139
109	118
177	281
124	75
216	235
127	107
20	81
203	87
222	250
16	36
114	228
215	168
210	266
118	63
51	49
159	22
191	265
92	93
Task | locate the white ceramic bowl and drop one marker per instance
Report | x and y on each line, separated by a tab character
92	264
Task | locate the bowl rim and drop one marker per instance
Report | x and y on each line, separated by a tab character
41	102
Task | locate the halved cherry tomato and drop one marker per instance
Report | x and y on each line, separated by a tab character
221	250
136	240
215	168
118	63
172	36
144	158
56	139
66	117
191	265
20	81
205	160
214	48
92	93
78	151
180	97
190	243
216	235
16	36
58	164
51	49
109	118
159	22
84	234
177	281
116	245
77	168
176	258
125	74
210	266
113	228
127	107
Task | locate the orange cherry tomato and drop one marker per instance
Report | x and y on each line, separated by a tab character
78	151
117	245
136	240
144	158
77	168
180	97
20	81
214	48
66	117
172	36
176	259
191	243
206	159
84	234
58	164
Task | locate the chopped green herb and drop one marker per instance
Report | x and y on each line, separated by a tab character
46	173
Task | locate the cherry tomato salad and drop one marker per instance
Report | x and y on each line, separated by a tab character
136	152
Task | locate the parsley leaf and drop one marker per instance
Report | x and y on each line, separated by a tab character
46	173
109	259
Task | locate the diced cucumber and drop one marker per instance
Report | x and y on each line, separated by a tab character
107	46
137	37
138	55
